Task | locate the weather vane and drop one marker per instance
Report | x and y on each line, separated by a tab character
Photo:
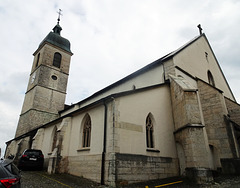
59	14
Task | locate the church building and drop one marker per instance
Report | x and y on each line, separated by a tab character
176	116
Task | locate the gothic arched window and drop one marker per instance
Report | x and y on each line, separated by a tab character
86	135
57	60
149	131
210	79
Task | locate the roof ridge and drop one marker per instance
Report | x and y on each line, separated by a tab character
139	71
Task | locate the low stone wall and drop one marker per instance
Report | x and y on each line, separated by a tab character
136	168
123	168
87	166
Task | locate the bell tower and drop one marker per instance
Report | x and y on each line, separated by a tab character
46	90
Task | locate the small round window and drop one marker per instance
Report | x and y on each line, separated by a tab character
54	77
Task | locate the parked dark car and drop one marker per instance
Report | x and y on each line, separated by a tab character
31	158
9	174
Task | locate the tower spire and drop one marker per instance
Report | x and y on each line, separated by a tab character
59	14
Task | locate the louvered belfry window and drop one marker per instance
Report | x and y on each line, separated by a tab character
57	60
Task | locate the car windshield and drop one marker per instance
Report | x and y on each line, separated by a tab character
12	169
2	173
33	153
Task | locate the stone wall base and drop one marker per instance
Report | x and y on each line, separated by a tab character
137	168
199	175
231	166
123	168
87	166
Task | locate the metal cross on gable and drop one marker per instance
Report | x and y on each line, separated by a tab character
59	14
200	28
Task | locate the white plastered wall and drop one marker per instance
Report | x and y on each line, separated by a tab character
193	60
148	78
97	124
133	111
48	139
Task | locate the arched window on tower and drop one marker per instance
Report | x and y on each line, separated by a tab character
149	131
210	79
86	134
57	60
38	59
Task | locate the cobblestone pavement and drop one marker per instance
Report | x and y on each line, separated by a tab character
219	182
40	179
226	181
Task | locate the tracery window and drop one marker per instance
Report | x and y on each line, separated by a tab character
210	79
57	60
86	136
149	131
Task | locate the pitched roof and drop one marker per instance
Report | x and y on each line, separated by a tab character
142	70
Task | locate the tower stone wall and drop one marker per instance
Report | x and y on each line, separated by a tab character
46	90
46	57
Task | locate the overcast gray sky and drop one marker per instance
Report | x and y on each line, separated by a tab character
110	39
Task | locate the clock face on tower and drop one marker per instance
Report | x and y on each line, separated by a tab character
33	77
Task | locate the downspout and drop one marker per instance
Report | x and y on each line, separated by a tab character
113	119
104	143
164	72
113	169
